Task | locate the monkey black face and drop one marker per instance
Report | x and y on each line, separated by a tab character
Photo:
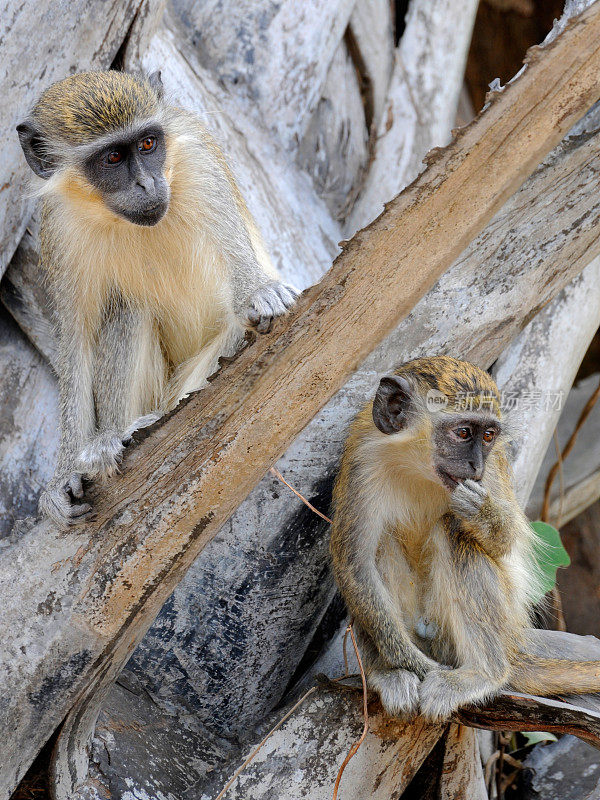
126	168
129	174
462	445
461	442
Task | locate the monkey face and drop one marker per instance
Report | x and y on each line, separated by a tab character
128	172
462	445
455	444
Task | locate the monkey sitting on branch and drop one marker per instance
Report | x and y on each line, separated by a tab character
154	264
432	553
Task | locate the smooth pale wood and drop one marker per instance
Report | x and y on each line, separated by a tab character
551	348
28	427
273	57
42	43
421	103
372	27
580	479
333	149
575	500
295	764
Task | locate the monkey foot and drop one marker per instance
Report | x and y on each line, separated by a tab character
270	301
398	690
57	502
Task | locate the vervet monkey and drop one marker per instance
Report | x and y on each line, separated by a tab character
154	264
431	551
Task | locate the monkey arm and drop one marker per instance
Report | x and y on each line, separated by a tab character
76	422
128	379
258	295
494	525
369	601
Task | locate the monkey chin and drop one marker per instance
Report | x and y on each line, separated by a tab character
148	217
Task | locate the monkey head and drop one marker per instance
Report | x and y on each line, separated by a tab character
107	127
450	407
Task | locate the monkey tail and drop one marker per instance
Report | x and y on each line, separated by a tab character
549	676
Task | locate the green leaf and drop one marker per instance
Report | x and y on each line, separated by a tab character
535	737
549	553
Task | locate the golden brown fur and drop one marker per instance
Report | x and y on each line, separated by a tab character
430	589
146	300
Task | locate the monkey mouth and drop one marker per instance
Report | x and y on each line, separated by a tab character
449	481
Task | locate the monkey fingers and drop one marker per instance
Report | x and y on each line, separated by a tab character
270	301
398	690
468	499
57	503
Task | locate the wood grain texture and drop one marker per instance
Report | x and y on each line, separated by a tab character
421	101
273	57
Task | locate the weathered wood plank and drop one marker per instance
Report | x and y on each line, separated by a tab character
581	469
42	43
204	448
462	772
303	757
547	375
333	149
273	56
421	102
372	28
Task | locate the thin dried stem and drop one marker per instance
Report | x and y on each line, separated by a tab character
566	450
354	749
278	474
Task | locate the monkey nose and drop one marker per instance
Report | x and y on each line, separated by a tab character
146	182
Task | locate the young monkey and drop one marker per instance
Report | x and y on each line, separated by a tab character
432	553
154	264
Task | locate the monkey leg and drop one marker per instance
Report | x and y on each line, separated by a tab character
552	662
398	689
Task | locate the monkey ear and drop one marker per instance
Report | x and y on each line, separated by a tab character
392	404
155	81
32	143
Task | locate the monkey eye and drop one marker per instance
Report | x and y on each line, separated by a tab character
147	145
463	433
115	157
489	435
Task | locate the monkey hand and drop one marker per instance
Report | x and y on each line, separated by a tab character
468	499
398	690
102	456
438	697
269	301
58	502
